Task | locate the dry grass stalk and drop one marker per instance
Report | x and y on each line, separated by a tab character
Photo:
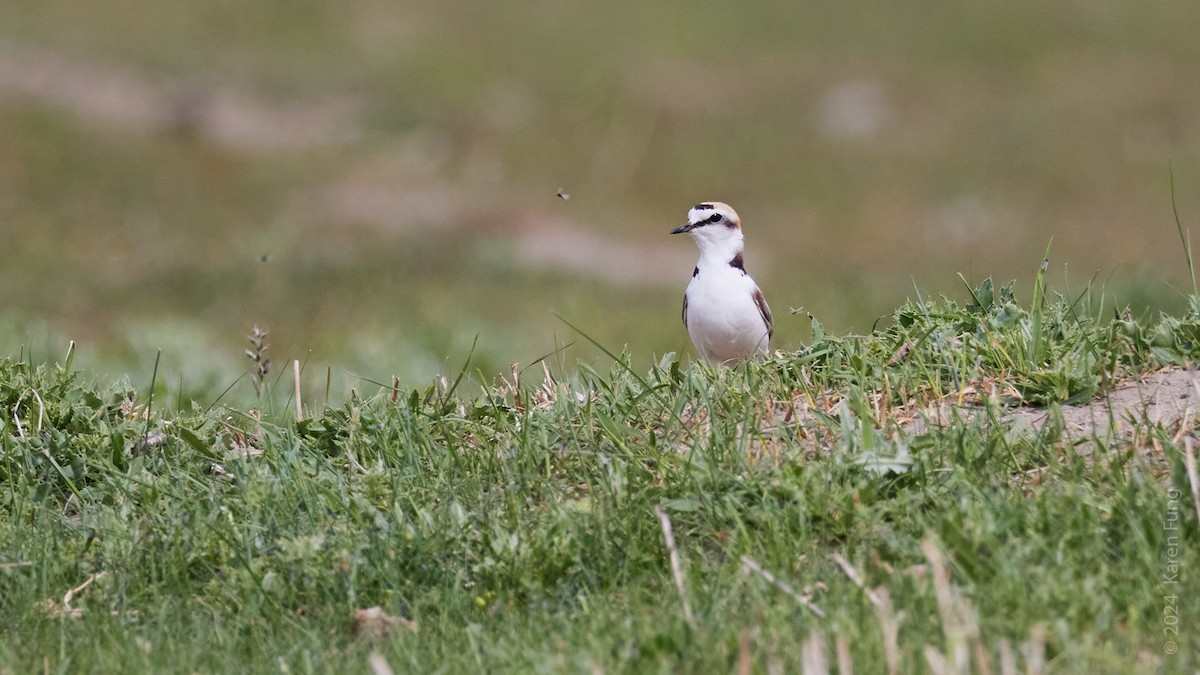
1008	662
1034	651
750	564
518	401
745	662
849	570
41	411
69	595
890	627
379	665
17	419
813	661
549	390
881	599
981	656
938	665
676	568
296	380
64	608
958	619
1189	463
845	663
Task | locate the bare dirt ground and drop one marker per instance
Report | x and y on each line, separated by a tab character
1169	398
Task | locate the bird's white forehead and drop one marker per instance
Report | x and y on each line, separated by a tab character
705	210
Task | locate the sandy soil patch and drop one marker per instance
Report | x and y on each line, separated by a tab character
1169	398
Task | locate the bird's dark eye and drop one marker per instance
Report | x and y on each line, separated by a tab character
714	218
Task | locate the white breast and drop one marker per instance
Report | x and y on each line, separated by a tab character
723	320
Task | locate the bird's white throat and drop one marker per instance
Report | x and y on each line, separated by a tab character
718	247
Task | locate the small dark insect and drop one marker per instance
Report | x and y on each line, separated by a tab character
563	195
264	257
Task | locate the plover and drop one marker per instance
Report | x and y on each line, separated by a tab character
723	309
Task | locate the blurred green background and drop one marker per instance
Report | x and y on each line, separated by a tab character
375	182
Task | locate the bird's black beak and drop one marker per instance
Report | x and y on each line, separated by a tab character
686	227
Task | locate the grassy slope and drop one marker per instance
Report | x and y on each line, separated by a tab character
517	528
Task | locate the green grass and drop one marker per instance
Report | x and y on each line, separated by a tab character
516	527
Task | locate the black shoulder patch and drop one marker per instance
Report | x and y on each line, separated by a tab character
736	263
703	207
695	271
